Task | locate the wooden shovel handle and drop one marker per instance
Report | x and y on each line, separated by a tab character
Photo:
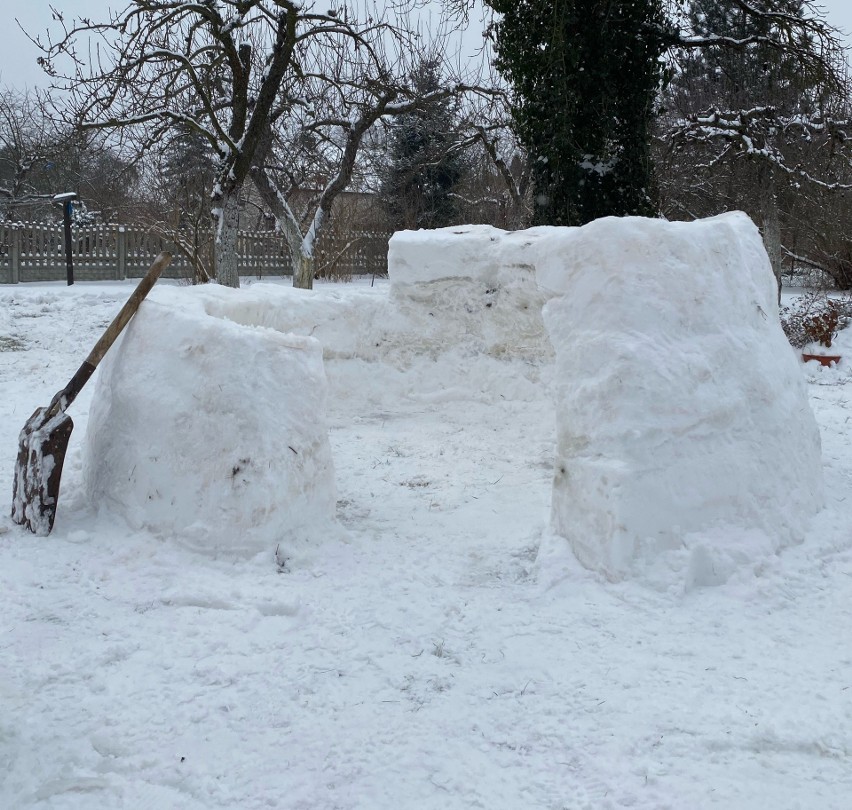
128	310
68	394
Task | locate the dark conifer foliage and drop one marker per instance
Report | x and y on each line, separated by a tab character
424	163
585	75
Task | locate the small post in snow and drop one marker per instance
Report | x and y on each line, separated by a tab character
66	200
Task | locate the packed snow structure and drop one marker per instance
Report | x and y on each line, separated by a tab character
471	287
683	423
211	431
683	429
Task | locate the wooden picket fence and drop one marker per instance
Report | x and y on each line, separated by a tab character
36	252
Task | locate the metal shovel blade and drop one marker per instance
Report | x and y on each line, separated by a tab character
43	442
42	446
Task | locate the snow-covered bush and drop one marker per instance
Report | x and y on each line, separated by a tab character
815	317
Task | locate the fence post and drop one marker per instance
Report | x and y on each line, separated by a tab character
121	251
15	254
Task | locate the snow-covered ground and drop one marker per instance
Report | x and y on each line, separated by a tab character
428	660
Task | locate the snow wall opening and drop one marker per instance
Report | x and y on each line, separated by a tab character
683	426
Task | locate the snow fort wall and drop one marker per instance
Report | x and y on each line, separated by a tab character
470	287
212	431
681	408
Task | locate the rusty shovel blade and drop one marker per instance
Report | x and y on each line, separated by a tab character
42	446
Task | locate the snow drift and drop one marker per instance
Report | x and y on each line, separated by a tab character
212	431
681	408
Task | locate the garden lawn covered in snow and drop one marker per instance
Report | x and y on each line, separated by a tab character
430	643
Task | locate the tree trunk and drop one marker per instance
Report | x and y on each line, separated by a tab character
771	223
225	246
303	270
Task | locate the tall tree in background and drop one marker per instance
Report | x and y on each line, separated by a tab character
180	185
423	163
39	160
585	75
231	71
27	149
749	115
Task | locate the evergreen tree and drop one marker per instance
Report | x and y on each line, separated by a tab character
585	75
423	164
187	172
181	191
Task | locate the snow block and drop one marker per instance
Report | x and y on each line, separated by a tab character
470	287
210	430
419	257
681	408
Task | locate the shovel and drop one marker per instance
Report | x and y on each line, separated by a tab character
44	440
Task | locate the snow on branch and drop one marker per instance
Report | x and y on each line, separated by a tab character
804	35
806	261
753	133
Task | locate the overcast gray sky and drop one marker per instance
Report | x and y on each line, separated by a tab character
18	67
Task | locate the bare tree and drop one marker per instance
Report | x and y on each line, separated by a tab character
231	71
501	179
39	159
757	106
27	149
345	94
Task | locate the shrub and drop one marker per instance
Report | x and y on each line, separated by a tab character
815	318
